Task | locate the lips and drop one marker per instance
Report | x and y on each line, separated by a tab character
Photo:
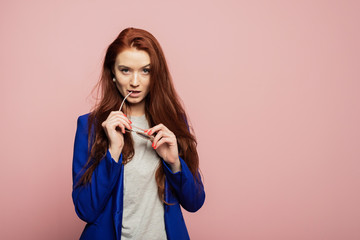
134	93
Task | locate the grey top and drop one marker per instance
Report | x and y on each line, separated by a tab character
143	214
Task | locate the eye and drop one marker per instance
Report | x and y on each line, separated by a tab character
146	70
124	70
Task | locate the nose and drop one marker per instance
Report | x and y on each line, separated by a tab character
135	80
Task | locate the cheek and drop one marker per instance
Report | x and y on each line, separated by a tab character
121	81
119	86
147	83
147	88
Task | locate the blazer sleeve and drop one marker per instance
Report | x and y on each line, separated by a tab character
90	199
189	190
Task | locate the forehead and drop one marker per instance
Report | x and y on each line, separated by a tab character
131	57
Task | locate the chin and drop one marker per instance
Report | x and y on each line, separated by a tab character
135	100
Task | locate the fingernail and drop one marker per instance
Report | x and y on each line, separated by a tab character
130	121
149	132
130	127
152	145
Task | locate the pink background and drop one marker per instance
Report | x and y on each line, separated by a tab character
271	87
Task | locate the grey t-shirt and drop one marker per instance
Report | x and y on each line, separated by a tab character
143	214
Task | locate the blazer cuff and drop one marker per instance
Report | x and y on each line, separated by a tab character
109	158
178	178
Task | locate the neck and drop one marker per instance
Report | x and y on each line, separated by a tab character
137	109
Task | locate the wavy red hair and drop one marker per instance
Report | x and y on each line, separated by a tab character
162	105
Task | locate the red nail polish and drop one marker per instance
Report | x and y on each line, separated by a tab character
149	132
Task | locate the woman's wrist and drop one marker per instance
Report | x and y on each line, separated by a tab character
175	165
115	152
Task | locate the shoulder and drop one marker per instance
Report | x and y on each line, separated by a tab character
84	117
82	123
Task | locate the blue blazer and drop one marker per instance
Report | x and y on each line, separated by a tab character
100	203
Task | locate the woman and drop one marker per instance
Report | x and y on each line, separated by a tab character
127	183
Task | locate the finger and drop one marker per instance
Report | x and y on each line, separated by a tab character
114	119
121	123
124	120
158	136
119	114
114	113
157	128
162	141
171	140
125	116
113	124
164	134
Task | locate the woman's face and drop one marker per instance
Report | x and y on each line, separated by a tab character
132	73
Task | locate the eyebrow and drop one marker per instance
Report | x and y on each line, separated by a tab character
148	65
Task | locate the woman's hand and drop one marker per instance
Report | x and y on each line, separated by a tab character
165	145
114	127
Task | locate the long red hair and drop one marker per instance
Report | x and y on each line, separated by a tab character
162	105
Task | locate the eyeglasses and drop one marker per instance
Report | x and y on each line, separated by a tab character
140	131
